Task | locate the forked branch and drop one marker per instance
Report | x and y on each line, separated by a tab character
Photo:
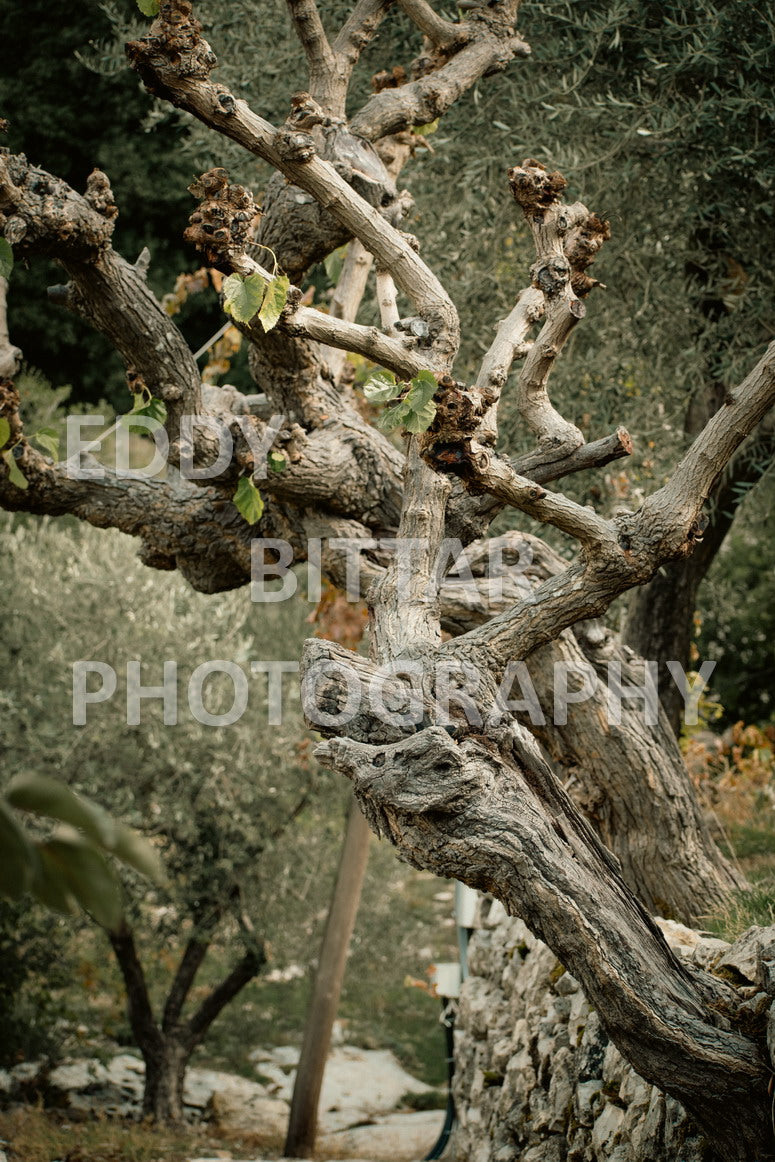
174	61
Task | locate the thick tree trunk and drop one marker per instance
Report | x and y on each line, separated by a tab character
165	1068
302	1125
630	780
167	1047
487	810
628	777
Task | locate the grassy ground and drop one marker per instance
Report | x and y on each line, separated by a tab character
31	1134
751	844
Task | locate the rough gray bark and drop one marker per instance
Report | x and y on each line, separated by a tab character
606	765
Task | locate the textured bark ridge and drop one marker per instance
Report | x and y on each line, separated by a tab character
584	839
538	1080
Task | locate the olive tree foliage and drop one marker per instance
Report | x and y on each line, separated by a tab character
223	808
462	789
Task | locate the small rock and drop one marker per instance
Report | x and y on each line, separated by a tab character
606	1130
678	936
586	1093
566	984
550	1150
249	1114
754	947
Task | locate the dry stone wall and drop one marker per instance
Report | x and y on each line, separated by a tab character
537	1078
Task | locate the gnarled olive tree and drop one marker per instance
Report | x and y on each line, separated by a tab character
449	774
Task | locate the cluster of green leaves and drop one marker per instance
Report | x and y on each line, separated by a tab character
67	868
245	296
145	404
15	474
415	410
33	973
149	7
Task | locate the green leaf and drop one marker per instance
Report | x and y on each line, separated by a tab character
334	262
422	389
6	258
420	419
382	386
278	462
89	876
48	438
17	857
275	300
427	129
419	400
15	474
49	887
54	799
242	297
144	405
394	417
42	795
136	852
149	7
5	431
247	500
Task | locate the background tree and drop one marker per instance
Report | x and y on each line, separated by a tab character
215	806
477	802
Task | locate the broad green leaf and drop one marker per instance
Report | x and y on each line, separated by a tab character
15	474
420	419
135	851
427	129
48	438
333	263
149	7
275	300
17	857
242	297
394	417
422	389
48	885
6	258
5	431
89	876
277	462
381	387
144	405
247	500
54	799
42	795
